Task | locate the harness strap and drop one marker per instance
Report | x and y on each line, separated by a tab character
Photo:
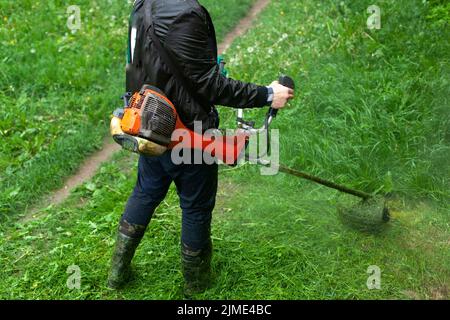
149	27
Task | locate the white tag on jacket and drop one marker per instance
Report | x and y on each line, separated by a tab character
133	42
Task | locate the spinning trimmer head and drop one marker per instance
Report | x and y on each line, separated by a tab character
371	212
368	215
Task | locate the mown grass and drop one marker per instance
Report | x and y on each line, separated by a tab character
269	244
279	237
57	88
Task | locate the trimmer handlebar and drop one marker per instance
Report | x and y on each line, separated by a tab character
287	82
249	126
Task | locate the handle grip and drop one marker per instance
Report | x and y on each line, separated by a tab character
284	81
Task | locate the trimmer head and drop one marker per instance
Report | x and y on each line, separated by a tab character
368	215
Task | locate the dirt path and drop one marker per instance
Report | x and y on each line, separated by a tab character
86	171
93	162
243	25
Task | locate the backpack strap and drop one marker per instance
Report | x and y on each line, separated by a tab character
212	30
150	28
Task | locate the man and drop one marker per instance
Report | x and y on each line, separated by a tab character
185	31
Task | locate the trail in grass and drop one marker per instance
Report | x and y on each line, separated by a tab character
93	162
243	25
84	173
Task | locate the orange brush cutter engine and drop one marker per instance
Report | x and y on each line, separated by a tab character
149	120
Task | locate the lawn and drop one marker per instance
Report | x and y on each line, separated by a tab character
269	244
371	112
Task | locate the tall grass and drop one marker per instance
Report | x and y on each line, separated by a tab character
372	105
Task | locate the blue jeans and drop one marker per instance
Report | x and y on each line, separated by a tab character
196	187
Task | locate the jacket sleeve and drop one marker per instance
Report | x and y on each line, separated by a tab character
187	43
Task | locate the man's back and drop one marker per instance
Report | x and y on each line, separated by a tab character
187	33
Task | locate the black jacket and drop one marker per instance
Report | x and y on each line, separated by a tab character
185	29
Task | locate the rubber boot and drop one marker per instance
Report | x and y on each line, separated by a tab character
196	266
120	273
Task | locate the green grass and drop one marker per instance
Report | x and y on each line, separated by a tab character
287	246
372	108
57	88
371	111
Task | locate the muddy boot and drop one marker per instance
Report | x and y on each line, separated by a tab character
124	251
196	265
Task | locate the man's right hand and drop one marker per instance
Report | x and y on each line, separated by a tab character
281	95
